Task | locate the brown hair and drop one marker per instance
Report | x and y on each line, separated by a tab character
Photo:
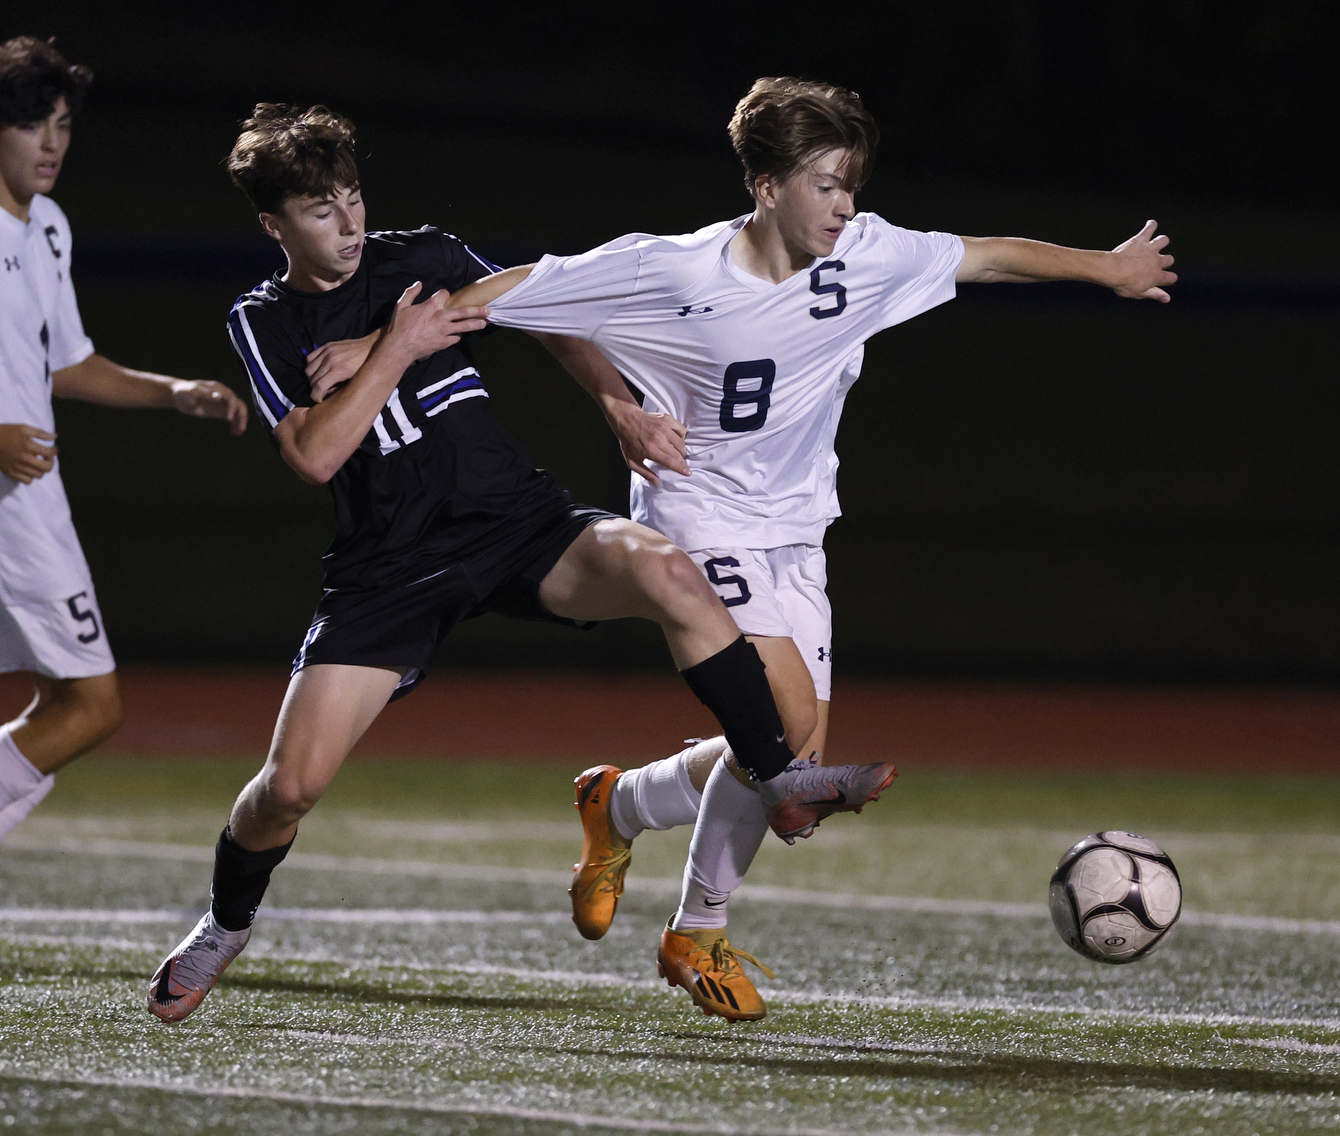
33	76
286	151
782	125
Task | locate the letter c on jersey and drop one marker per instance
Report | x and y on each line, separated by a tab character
834	289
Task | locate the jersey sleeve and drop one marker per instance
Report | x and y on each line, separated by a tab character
69	344
572	295
275	366
919	270
461	263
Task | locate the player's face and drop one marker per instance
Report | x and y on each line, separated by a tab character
324	235
31	153
814	206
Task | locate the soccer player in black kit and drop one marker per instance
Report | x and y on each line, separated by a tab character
440	515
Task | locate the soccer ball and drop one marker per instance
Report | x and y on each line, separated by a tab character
1115	896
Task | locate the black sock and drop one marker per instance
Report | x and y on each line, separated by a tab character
240	880
732	685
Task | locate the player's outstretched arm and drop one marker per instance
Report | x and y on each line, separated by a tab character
487	289
317	440
97	379
333	364
643	436
1137	269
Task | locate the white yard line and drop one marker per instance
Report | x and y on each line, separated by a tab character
468	832
443	1108
101	943
380	916
479	873
46	828
1283	1043
800	997
1262	923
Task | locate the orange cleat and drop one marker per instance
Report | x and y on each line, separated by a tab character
705	964
180	984
597	879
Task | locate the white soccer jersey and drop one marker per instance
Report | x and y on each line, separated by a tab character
40	332
757	371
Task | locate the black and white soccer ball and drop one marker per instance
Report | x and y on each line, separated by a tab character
1115	896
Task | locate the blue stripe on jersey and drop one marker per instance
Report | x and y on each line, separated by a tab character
252	374
464	372
274	398
482	259
471	383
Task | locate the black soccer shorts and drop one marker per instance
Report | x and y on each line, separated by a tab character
401	626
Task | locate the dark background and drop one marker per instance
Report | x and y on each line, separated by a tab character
1038	481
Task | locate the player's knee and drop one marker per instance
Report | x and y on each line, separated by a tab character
107	718
94	704
108	713
673	582
286	796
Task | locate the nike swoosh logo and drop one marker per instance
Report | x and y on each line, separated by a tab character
839	800
719	902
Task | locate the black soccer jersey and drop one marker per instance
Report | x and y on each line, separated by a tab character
437	479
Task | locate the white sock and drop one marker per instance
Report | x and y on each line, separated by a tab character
659	795
22	784
730	828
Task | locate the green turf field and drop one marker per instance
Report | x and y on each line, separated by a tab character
414	970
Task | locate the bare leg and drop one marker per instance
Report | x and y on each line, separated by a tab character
328	707
67	718
326	710
818	742
617	569
793	688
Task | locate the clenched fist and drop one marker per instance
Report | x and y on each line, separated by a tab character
24	456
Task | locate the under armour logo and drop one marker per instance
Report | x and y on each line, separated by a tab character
825	654
11	264
690	310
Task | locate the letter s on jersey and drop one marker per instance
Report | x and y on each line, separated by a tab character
834	289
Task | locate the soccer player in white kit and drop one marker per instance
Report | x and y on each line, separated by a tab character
50	625
745	338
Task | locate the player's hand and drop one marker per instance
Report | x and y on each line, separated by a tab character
420	330
1140	266
333	364
204	399
23	456
645	437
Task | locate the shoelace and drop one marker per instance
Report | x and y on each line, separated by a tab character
198	964
611	873
817	778
727	958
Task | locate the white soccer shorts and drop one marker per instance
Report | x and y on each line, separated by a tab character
778	592
57	638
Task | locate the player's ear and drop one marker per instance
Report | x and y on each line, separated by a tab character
765	190
269	222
